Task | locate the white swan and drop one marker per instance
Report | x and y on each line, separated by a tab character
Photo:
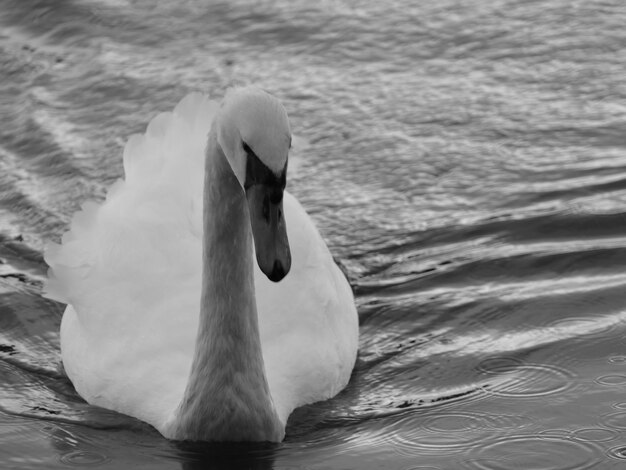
169	319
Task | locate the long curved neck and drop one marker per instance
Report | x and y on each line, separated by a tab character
227	396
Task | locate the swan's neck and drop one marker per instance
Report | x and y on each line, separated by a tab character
227	397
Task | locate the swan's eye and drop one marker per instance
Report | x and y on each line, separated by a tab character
276	195
247	149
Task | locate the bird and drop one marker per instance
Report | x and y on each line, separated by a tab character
201	298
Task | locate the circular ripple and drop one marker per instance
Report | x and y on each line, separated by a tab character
536	452
443	433
81	458
454	422
595	434
529	380
618	453
497	364
446	432
450	432
615	420
509	422
558	433
612	379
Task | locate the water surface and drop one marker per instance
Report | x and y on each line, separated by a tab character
465	161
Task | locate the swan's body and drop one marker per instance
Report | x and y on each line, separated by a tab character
200	343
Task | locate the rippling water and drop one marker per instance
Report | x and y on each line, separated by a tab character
465	161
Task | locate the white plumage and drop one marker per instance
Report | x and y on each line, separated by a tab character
130	270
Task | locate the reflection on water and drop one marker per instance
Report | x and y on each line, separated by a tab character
242	456
465	162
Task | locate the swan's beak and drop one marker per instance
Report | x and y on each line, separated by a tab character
265	203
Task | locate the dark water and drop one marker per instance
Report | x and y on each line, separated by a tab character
465	161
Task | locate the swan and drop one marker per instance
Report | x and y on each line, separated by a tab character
200	297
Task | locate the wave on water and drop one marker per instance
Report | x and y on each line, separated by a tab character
464	162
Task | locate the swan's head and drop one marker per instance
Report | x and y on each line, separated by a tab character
253	132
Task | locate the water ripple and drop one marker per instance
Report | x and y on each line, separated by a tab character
618	453
517	379
83	458
595	434
615	420
536	452
612	380
443	432
423	467
466	158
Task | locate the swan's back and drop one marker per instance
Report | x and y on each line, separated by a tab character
130	271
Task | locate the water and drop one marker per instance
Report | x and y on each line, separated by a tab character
465	161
